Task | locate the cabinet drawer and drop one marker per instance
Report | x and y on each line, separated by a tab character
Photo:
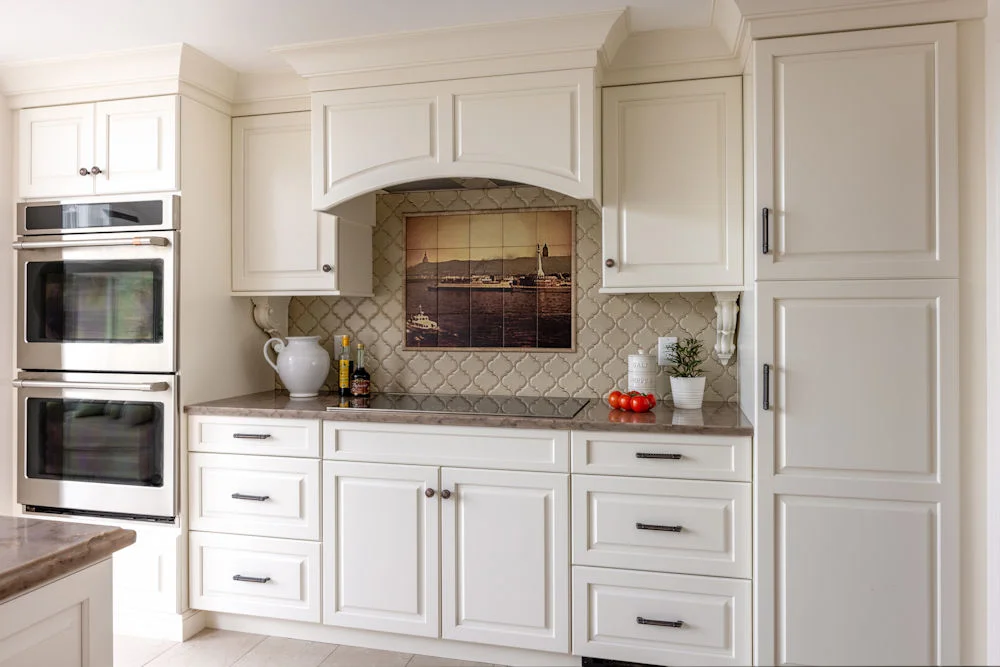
651	455
280	578
694	620
503	448
662	525
255	495
241	435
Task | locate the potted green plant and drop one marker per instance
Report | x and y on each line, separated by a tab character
687	382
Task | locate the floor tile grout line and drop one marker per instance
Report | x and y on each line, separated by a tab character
244	654
147	662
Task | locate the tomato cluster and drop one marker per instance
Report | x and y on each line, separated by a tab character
632	401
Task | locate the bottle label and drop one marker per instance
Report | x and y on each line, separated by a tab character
360	386
345	374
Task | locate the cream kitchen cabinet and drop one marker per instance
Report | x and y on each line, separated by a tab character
281	246
857	472
536	128
856	155
102	148
388	526
673	172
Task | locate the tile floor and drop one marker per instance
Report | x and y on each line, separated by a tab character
222	648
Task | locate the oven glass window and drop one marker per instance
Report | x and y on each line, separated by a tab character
115	301
93	216
109	442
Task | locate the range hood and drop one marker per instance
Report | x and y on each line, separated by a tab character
469	107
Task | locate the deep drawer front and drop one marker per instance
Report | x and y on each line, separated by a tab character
256	576
504	448
652	455
246	435
686	620
255	495
662	525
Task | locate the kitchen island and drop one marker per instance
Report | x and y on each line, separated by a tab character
55	591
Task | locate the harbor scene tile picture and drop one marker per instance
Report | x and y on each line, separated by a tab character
490	280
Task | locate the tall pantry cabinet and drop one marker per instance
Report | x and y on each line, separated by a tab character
854	331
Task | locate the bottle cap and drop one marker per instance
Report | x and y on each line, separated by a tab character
361	346
345	340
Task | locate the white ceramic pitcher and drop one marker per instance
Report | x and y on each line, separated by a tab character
302	364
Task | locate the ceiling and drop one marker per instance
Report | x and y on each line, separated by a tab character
240	32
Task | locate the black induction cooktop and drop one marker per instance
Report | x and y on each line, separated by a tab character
515	406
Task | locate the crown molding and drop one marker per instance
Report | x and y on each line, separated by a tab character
160	70
270	92
513	47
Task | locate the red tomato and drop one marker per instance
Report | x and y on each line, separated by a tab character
640	404
613	398
652	400
625	402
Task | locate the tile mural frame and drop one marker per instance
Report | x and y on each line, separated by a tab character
573	291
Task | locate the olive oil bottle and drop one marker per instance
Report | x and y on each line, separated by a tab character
345	366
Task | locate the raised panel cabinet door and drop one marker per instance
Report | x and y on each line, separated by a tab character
280	244
857	446
137	145
54	144
856	155
380	547
673	172
505	558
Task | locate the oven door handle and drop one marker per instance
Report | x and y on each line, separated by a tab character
60	384
89	243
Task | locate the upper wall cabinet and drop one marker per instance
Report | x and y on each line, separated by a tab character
101	148
857	171
532	128
673	170
280	244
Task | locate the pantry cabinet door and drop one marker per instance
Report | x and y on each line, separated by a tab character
280	244
54	144
137	144
380	547
505	558
856	155
673	195
856	486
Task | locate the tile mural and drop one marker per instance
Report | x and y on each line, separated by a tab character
608	326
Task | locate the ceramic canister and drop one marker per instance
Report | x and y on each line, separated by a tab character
642	370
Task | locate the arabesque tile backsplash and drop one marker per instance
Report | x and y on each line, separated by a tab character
609	327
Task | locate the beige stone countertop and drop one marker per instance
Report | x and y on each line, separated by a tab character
34	552
712	419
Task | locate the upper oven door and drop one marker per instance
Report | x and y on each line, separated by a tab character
97	302
88	215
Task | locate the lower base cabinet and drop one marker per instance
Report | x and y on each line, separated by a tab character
258	576
501	538
661	619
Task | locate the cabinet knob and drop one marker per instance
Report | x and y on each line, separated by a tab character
446	494
95	170
429	493
327	268
84	171
609	262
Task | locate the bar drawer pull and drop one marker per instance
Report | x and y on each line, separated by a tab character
767	387
252	580
765	232
663	624
243	496
252	436
657	455
653	526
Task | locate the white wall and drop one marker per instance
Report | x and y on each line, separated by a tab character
7	438
972	341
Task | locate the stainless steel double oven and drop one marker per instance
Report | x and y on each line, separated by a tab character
97	356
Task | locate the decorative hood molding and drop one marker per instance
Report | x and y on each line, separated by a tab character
514	47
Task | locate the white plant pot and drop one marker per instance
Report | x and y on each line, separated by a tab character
688	393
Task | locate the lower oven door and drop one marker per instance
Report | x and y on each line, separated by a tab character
98	442
97	302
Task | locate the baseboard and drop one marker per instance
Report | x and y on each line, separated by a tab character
159	625
387	641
